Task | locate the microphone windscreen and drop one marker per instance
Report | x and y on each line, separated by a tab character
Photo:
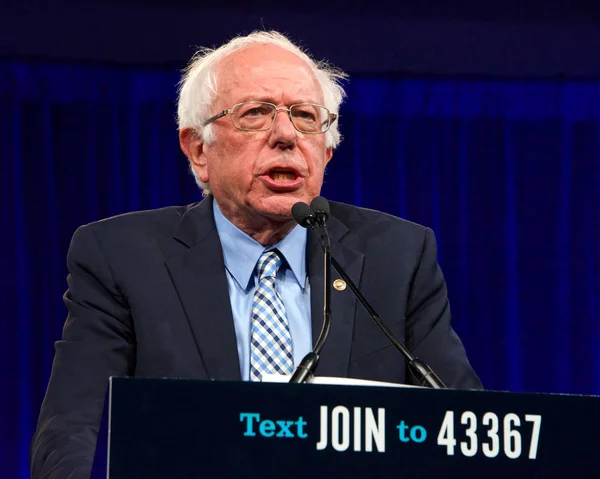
320	204
302	213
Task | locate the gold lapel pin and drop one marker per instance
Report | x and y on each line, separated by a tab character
339	284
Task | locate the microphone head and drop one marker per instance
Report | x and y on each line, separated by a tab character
320	206
302	213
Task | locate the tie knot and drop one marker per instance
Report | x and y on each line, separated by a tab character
268	264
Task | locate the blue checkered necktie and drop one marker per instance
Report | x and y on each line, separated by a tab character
270	339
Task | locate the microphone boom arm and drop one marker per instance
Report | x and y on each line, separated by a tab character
424	374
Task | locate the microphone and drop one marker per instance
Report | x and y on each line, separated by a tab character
420	370
303	214
320	206
305	217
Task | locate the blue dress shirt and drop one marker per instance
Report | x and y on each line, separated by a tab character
241	253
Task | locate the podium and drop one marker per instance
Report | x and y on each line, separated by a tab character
178	428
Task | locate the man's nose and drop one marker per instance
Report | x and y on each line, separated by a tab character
283	132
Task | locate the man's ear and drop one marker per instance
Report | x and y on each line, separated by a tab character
192	145
328	154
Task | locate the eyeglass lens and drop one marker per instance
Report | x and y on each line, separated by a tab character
260	116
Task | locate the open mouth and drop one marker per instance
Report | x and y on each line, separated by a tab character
282	180
282	175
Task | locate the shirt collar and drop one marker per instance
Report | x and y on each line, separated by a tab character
241	252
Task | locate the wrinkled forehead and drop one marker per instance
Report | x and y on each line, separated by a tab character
261	71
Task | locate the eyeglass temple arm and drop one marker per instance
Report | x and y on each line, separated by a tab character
216	117
330	120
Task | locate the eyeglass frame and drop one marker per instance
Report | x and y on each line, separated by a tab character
228	111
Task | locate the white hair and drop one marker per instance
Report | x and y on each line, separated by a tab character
198	86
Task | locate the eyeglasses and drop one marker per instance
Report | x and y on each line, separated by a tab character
260	116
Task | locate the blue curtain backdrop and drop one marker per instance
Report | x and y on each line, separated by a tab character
506	173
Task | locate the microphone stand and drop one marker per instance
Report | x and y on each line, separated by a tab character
316	219
421	371
309	363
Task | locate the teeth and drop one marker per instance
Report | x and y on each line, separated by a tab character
282	176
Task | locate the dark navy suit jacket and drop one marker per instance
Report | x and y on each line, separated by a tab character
147	296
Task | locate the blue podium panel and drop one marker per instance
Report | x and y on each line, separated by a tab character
170	428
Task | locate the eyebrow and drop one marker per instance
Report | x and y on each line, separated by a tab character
270	99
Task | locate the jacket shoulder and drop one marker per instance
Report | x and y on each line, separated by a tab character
357	218
153	222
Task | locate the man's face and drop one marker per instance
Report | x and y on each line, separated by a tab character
256	175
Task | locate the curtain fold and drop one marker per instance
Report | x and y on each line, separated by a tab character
506	173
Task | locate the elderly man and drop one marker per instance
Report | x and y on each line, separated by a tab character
189	291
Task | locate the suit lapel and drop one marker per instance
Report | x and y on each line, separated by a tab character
198	273
335	356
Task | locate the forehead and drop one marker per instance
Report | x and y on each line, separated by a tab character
266	72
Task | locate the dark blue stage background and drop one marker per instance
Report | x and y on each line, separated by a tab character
506	172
